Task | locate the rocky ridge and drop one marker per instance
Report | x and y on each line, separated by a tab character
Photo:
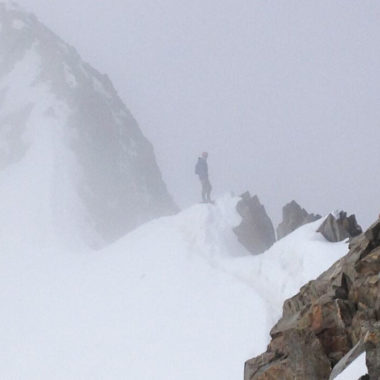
336	315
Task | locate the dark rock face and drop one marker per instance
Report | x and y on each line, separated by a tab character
256	230
293	217
340	227
332	316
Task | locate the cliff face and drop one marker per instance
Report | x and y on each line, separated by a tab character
69	147
333	317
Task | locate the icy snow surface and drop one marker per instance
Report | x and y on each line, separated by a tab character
178	298
38	172
355	370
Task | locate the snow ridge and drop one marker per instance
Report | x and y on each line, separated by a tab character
179	293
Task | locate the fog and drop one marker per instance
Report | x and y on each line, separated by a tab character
284	94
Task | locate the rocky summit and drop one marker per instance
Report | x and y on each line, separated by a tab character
330	321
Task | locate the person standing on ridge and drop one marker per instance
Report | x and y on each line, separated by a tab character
201	169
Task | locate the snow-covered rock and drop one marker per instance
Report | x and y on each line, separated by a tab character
73	161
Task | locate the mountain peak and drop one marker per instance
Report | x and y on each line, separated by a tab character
67	136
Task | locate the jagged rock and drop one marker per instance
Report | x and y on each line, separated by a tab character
256	230
339	227
293	217
302	357
354	353
333	314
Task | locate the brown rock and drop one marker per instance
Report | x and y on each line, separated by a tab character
302	358
327	318
372	344
354	353
370	263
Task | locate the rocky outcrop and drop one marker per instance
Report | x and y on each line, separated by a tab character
256	230
293	217
328	318
339	227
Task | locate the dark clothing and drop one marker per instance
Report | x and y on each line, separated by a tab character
201	169
206	190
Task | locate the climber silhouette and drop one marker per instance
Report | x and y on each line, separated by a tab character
201	169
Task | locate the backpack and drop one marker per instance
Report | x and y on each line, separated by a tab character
198	168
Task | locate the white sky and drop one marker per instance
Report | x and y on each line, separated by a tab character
284	94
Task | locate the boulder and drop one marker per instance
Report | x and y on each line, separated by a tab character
293	217
330	321
255	232
339	227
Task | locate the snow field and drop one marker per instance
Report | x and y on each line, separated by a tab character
176	298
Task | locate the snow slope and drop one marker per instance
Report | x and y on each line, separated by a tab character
355	370
74	164
178	298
